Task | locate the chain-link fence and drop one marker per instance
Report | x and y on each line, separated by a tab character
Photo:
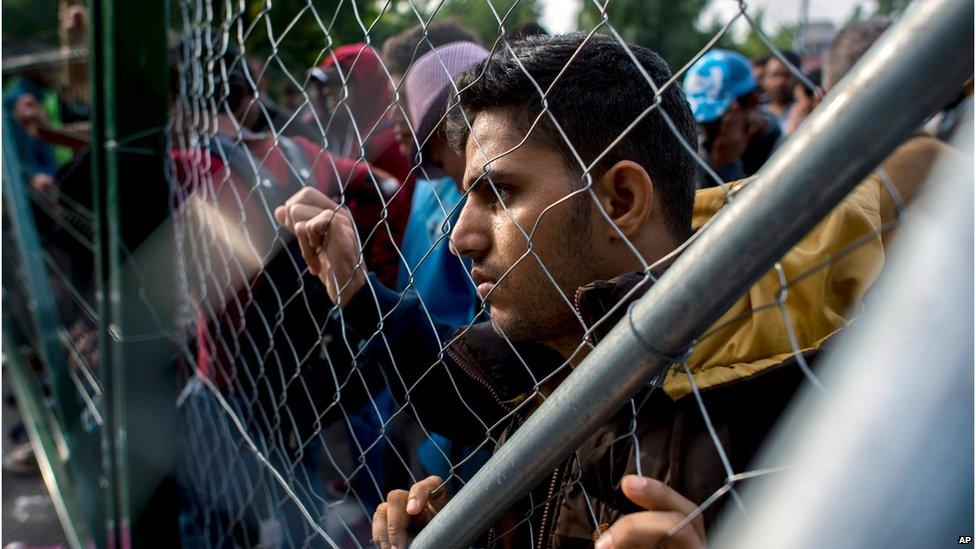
425	270
383	278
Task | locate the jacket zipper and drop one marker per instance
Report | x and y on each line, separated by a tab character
474	374
545	511
576	305
677	432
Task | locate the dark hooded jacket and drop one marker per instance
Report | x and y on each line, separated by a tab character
482	387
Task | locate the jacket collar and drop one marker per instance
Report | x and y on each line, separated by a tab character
511	369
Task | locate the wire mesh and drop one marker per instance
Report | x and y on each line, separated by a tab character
336	351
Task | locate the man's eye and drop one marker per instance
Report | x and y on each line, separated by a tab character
500	192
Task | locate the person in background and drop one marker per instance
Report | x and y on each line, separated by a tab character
255	344
399	53
355	98
908	167
778	82
804	101
735	135
758	70
439	278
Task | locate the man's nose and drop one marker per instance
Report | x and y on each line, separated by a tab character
470	237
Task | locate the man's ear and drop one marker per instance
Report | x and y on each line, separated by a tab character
627	195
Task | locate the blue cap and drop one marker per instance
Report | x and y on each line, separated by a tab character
715	81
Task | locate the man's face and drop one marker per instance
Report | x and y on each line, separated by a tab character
778	81
499	219
331	90
758	71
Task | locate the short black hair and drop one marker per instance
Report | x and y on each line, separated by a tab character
401	50
526	29
601	92
791	57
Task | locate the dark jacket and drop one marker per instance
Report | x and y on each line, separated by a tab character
476	389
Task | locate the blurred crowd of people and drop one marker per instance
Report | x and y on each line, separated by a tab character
397	247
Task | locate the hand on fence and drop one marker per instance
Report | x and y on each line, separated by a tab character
29	114
328	240
666	509
45	186
405	513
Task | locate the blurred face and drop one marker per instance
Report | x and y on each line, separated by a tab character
732	137
518	282
332	89
778	81
758	69
400	127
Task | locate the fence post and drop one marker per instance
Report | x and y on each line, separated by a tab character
80	461
130	102
915	69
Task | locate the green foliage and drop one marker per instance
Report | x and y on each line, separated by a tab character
891	7
665	26
751	45
291	36
477	15
305	31
30	21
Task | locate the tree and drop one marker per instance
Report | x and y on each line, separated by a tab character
752	45
665	26
891	7
477	15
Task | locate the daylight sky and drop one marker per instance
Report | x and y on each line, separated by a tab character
560	15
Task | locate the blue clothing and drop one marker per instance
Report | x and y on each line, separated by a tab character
35	156
440	278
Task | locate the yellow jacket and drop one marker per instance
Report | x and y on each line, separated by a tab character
824	292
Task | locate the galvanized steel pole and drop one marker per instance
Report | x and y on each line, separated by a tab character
917	67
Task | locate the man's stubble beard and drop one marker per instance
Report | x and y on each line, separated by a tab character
543	315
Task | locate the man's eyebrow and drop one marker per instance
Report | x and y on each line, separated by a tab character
496	175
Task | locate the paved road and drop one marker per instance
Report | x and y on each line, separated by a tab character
28	514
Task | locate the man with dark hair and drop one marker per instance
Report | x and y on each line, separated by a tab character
568	207
778	82
759	68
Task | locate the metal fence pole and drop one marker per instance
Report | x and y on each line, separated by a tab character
130	96
915	69
80	459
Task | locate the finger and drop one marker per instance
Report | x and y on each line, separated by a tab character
319	226
311	196
421	495
295	213
380	531
309	252
397	519
655	495
647	529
